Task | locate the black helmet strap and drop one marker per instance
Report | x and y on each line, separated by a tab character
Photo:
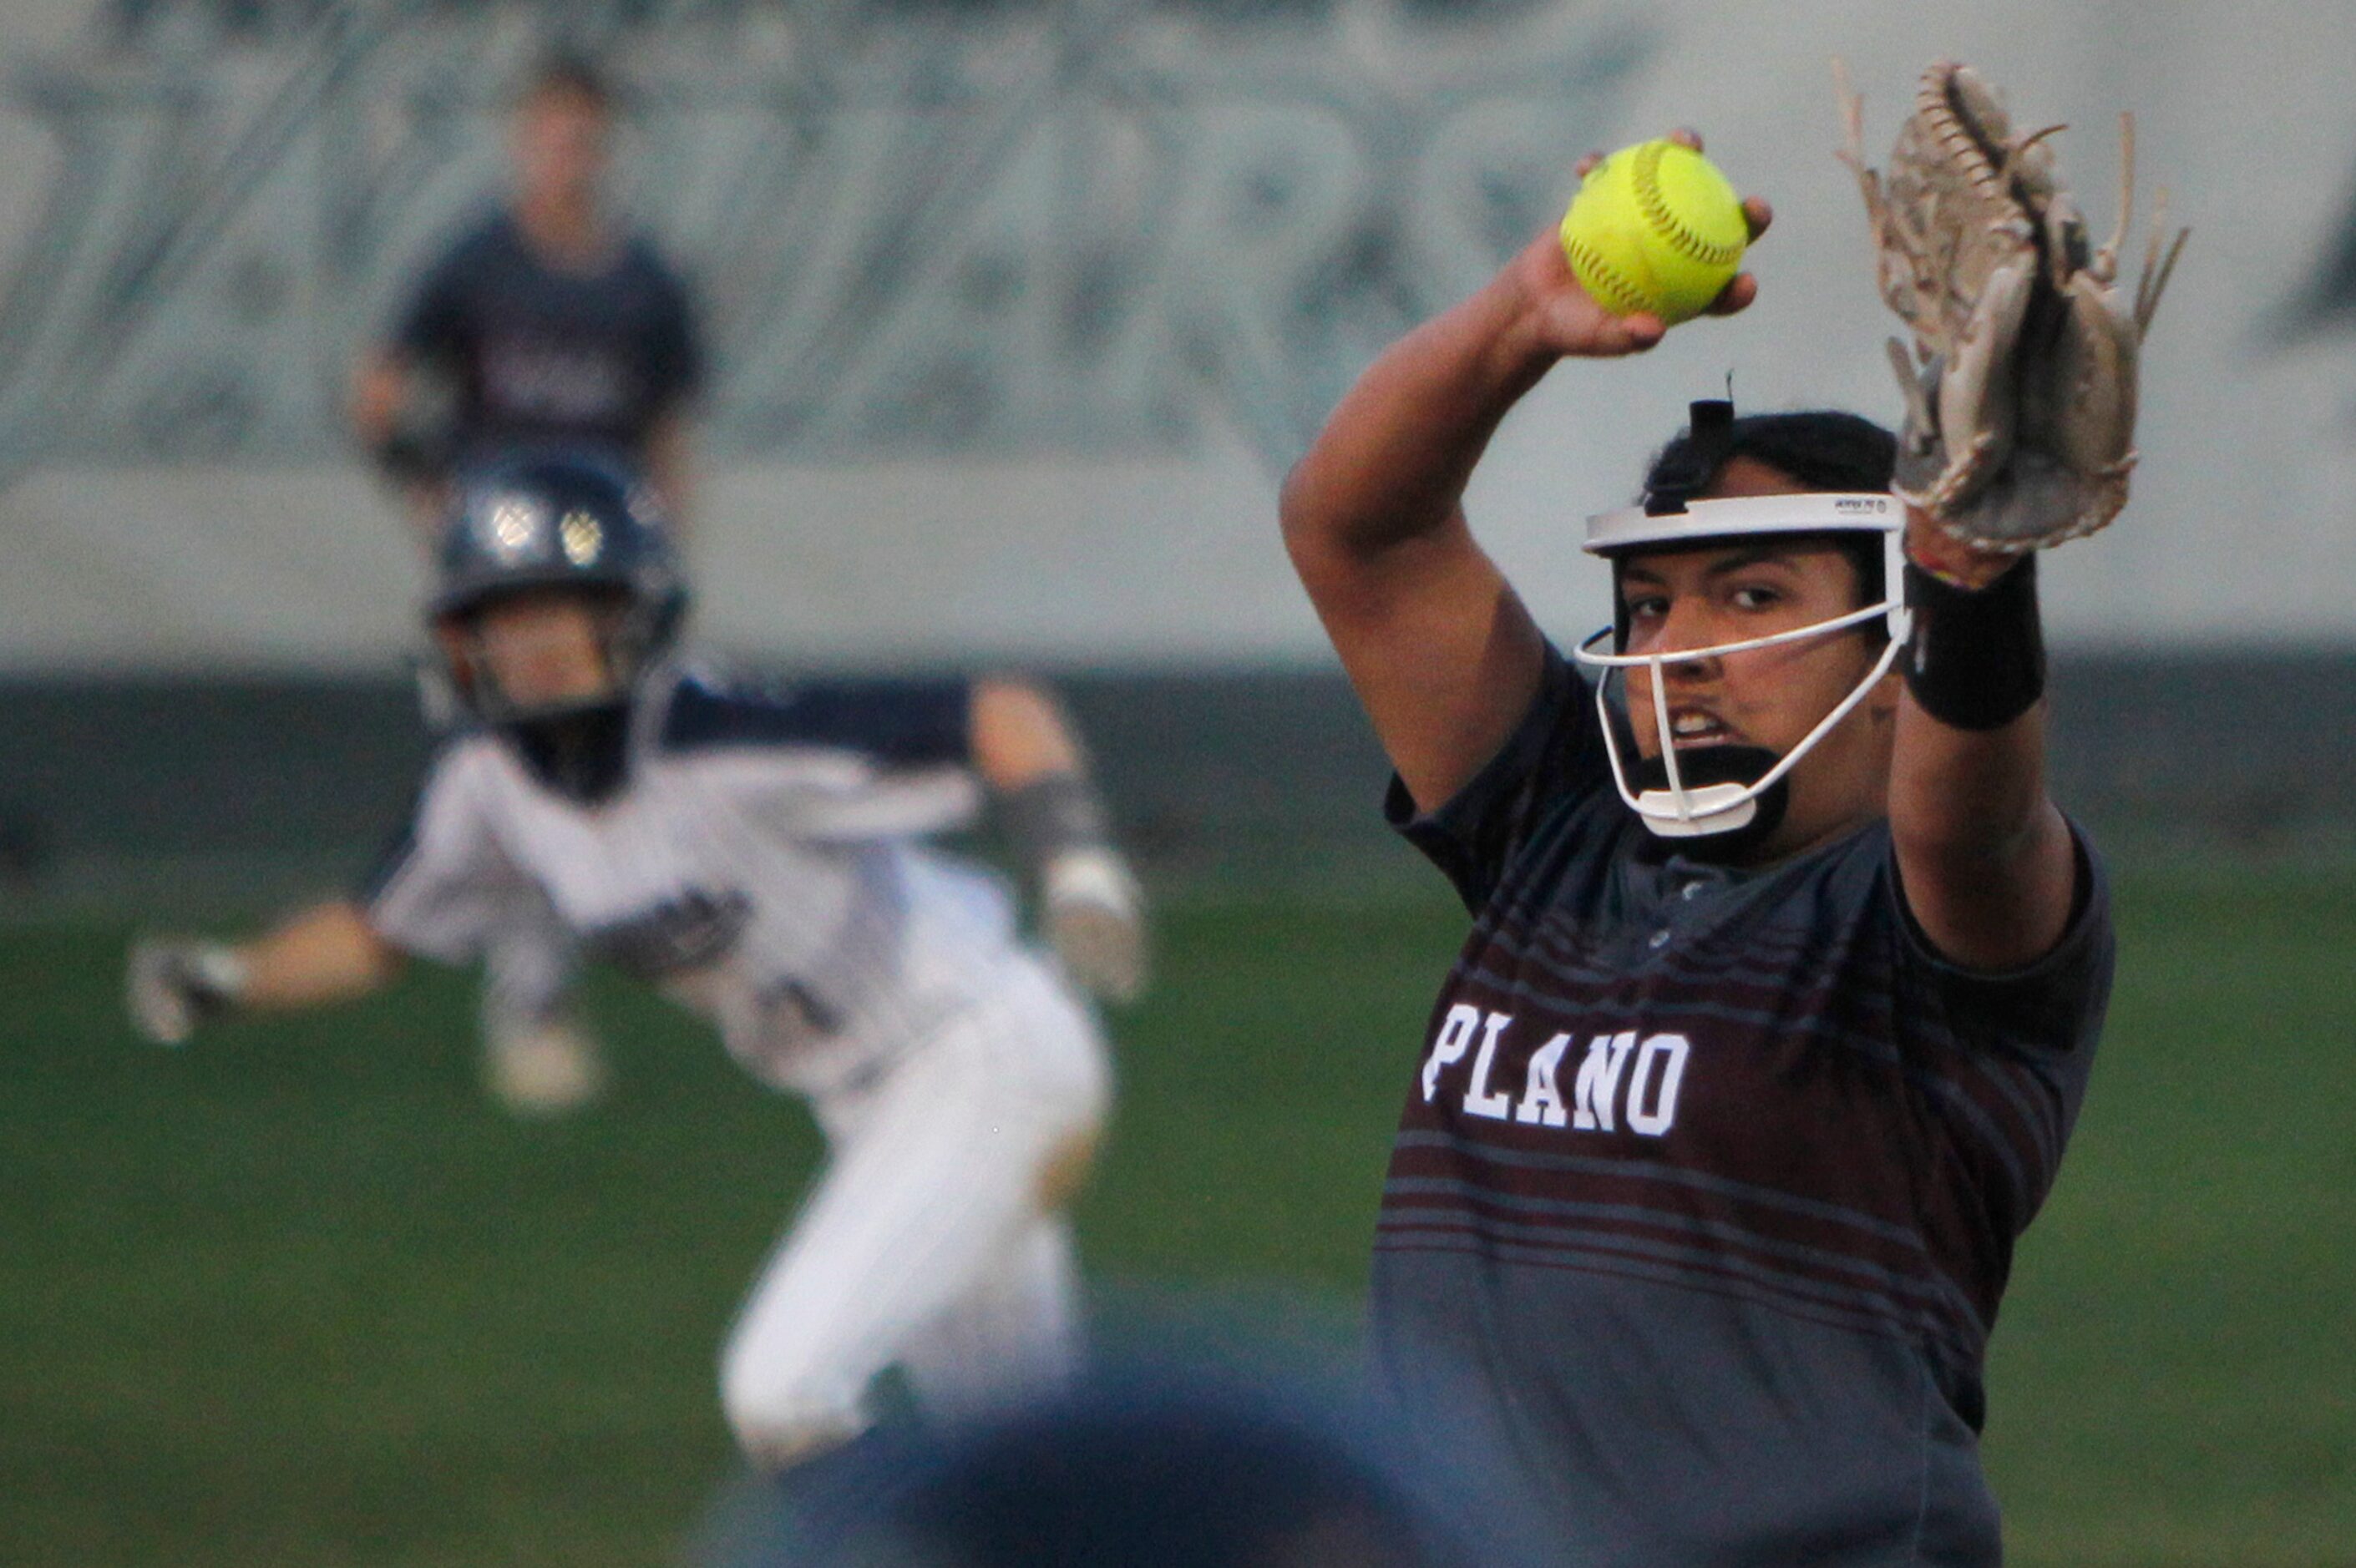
1709	438
582	754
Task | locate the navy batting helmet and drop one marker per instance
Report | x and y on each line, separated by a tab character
573	523
554	519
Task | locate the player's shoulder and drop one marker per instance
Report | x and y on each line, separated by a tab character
475	239
711	706
711	709
446	801
644	256
460	765
1848	878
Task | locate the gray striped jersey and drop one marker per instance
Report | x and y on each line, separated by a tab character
1707	1185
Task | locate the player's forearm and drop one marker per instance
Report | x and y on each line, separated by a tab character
1984	856
1967	776
1987	858
1056	820
1440	649
1019	736
406	459
1393	461
1966	793
329	954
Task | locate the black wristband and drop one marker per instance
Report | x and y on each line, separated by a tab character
1976	659
1051	815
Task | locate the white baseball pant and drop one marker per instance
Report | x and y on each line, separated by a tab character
935	1239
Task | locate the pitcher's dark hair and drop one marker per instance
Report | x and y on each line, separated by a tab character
1821	448
1824	449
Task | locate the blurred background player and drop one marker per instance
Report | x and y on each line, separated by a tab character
548	323
1785	975
757	855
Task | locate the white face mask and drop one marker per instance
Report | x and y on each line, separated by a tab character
1682	810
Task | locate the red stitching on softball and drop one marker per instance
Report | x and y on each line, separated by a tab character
1585	263
1647	180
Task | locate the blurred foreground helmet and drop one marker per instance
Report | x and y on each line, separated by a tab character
1179	1469
580	539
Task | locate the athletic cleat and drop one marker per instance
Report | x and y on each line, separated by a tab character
544	1070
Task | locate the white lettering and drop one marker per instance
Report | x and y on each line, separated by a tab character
1455	1034
1652	1122
1599	1079
1478	1099
1541	1099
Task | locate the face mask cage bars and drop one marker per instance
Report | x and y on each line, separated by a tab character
1679	811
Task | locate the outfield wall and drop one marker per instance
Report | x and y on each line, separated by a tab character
1022	308
168	795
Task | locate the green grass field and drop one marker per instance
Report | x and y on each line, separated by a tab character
298	1296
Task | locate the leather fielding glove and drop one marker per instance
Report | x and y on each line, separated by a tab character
2021	394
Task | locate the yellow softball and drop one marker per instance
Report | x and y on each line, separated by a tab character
1654	227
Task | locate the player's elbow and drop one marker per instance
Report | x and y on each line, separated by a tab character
1349	538
1318	543
380	965
347	941
1019	733
1991	901
1303	519
1999	819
